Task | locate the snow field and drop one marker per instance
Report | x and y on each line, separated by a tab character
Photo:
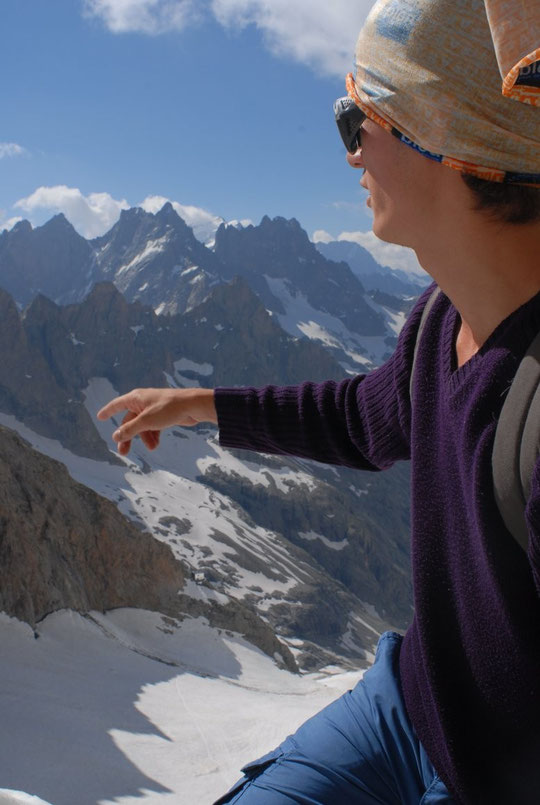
134	707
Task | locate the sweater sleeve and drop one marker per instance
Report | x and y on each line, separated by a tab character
361	422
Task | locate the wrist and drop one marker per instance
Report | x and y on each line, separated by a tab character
210	406
207	406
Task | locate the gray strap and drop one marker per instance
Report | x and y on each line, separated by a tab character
425	313
516	446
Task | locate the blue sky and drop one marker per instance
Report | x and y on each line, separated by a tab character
223	105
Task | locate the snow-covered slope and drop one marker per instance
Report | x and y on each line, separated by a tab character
134	707
355	352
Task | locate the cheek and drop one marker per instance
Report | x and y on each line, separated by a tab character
381	173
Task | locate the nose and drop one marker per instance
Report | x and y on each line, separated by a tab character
355	160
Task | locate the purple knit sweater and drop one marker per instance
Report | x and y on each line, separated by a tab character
470	661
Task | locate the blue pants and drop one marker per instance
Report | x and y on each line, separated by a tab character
359	750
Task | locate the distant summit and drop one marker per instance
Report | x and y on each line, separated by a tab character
322	293
374	277
52	259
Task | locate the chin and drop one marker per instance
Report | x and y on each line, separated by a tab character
390	234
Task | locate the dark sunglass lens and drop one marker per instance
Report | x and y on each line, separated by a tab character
349	119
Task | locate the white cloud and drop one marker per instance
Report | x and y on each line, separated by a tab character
319	33
143	16
11	150
386	254
322	236
91	215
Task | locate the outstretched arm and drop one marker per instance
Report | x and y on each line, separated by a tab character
149	411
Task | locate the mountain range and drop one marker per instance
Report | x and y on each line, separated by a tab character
309	561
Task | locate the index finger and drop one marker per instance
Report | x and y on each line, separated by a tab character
114	407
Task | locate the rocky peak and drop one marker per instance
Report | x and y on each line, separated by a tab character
57	223
120	237
274	241
280	225
168	215
157	259
52	259
21	228
105	300
40	308
280	249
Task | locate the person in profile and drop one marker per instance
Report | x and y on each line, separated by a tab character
443	118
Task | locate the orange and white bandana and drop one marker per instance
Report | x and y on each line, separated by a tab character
459	80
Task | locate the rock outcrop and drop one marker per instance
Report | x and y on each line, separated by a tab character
64	546
52	259
156	259
281	249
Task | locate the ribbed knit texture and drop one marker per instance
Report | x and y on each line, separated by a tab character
470	662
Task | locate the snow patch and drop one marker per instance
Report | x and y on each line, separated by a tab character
152	248
301	318
185	365
335	546
8	797
204	369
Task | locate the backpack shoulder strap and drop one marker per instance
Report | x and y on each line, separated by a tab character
516	447
425	313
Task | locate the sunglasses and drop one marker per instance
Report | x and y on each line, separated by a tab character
349	119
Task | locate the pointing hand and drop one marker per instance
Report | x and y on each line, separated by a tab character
149	411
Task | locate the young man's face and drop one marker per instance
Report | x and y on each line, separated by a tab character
404	186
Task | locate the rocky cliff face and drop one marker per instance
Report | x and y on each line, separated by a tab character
157	259
233	332
63	546
32	386
51	352
52	259
280	249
